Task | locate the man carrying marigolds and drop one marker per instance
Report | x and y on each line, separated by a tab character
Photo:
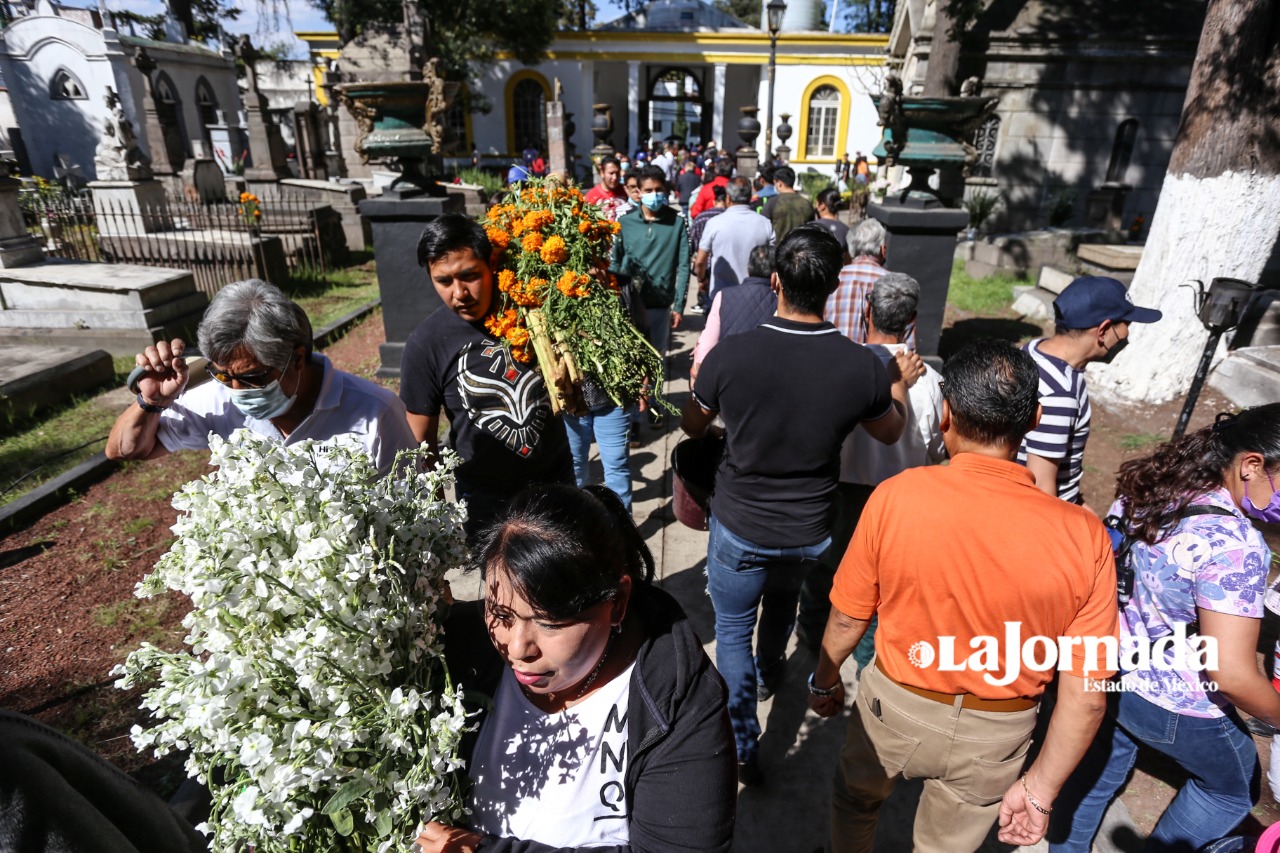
964	725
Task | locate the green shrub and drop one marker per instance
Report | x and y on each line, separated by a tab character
1062	204
980	204
490	181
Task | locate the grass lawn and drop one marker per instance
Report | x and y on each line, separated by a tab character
36	451
981	295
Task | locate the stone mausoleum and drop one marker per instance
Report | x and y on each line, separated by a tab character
57	64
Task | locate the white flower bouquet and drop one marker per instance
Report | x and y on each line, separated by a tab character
313	698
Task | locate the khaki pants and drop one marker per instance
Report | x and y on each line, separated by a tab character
968	760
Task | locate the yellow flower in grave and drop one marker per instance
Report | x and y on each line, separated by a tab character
554	250
532	242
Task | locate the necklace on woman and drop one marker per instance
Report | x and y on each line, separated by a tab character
586	685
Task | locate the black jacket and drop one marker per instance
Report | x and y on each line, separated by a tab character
681	779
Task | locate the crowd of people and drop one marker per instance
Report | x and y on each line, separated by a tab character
603	723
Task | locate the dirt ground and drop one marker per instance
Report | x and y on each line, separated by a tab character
67	613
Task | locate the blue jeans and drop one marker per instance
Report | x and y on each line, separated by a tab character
740	577
608	428
659	334
1217	753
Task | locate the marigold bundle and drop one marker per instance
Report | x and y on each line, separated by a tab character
556	298
314	698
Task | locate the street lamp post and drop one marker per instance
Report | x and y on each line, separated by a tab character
776	9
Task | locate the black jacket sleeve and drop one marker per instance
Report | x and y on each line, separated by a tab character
687	788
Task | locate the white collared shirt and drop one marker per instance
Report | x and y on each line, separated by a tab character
347	405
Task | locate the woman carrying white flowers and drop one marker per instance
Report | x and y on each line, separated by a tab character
608	726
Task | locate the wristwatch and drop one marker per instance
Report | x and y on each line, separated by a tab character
824	693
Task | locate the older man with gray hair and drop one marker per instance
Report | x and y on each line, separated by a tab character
728	239
866	463
265	377
846	307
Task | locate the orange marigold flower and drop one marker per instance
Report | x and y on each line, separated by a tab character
554	250
521	354
506	278
517	226
532	241
518	336
536	283
584	226
498	238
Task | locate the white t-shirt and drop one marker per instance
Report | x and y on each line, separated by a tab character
557	779
865	460
346	405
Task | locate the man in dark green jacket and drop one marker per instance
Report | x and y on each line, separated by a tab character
652	248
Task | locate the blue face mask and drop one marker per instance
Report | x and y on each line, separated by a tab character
654	201
263	404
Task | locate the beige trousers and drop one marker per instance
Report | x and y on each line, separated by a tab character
968	760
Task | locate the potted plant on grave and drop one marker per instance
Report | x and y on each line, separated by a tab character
981	204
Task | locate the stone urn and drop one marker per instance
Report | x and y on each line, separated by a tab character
394	124
749	126
602	124
784	130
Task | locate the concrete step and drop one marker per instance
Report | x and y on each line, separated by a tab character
1035	304
979	269
1118	258
1054	280
1249	376
36	378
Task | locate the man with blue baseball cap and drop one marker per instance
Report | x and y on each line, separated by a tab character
1091	323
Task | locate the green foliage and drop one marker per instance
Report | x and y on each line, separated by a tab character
869	16
981	295
813	182
981	204
465	35
491	182
1061	204
206	15
747	11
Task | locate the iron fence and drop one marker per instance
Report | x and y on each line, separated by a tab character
218	242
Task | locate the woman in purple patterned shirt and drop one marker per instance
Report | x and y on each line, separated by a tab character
1200	572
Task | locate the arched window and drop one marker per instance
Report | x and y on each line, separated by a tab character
65	87
529	114
984	142
206	103
1122	150
675	105
824	117
169	113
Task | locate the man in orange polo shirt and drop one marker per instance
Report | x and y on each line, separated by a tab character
953	693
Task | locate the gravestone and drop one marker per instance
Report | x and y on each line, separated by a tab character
17	246
210	185
266	146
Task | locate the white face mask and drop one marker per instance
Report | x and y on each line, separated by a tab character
264	403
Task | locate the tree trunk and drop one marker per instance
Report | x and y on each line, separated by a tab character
940	75
1219	208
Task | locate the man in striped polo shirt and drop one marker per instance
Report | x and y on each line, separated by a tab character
1091	323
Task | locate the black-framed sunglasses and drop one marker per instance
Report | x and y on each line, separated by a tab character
261	379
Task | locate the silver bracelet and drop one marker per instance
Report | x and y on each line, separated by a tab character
824	693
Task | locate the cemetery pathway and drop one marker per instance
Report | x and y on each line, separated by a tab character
67	615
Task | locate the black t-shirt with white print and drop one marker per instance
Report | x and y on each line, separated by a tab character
500	419
789	393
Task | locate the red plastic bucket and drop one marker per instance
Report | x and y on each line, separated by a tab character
694	462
